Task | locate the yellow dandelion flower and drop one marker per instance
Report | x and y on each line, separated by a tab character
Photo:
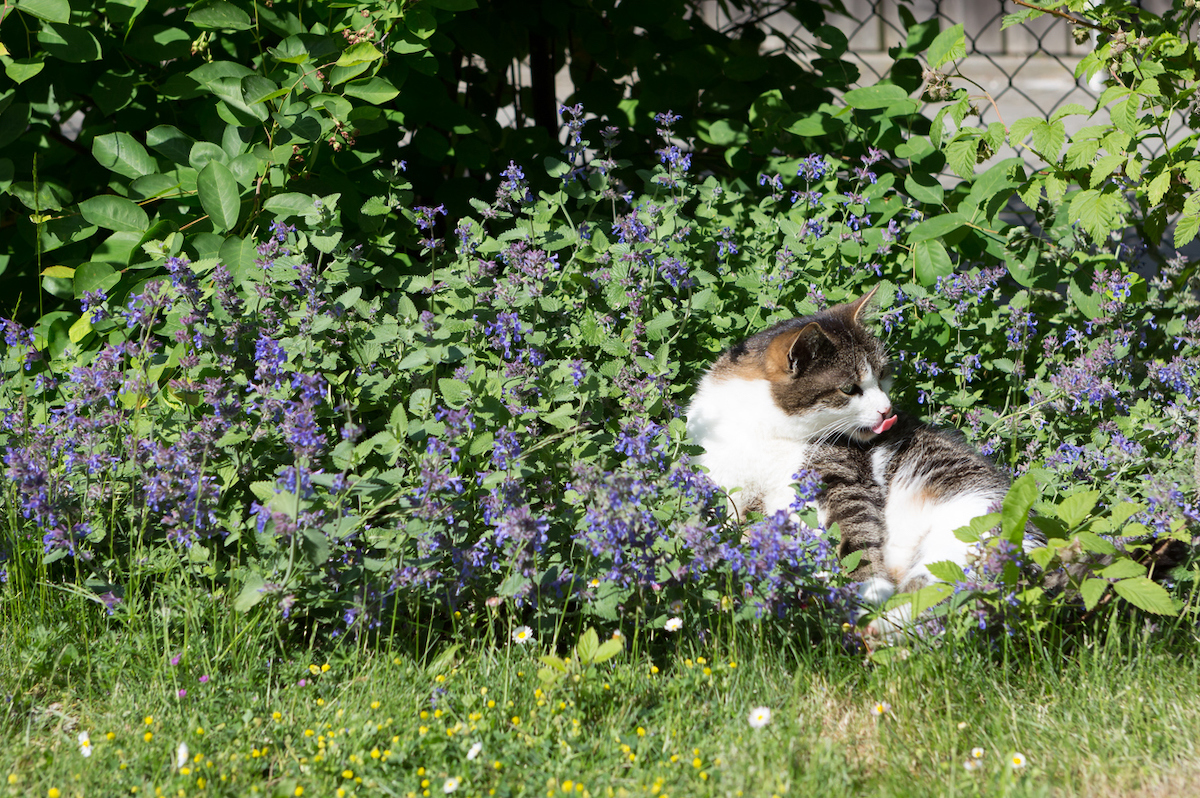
325	668
53	793
314	669
148	736
298	791
375	705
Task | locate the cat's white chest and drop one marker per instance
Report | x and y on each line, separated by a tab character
749	443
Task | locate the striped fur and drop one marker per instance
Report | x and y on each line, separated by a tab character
811	393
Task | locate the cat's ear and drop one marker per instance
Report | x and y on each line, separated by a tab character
792	352
859	307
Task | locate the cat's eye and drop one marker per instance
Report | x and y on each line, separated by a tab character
850	389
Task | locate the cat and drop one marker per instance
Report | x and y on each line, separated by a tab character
812	393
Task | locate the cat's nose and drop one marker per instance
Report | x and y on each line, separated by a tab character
887	411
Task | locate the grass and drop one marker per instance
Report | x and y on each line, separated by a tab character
1110	712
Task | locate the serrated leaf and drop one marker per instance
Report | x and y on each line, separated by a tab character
251	593
851	560
1097	211
1104	166
1146	594
588	643
1048	139
949	45
1091	591
1186	229
947	571
1014	513
1158	187
962	154
219	195
1122	569
1094	543
609	649
1073	509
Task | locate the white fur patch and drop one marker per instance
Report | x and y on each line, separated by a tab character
749	443
921	528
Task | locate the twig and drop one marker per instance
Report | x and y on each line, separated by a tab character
1074	20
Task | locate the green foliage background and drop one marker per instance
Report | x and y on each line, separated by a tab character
372	130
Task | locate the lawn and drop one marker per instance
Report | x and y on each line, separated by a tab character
1102	713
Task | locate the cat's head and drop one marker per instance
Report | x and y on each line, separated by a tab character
830	372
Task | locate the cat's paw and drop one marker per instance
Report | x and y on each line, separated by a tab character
891	627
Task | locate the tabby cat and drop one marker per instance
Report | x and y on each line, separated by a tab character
811	393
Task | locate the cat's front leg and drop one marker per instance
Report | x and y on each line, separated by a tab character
856	504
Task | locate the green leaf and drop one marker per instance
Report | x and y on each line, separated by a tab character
22	69
1186	229
609	649
962	154
931	261
48	10
1014	513
1146	594
1158	187
361	53
950	45
877	96
851	560
588	643
1097	211
947	571
973	532
95	276
936	227
219	196
289	204
1076	507
1091	591
1123	569
1048	139
924	188
1094	543
171	142
219	15
123	154
69	43
251	594
375	91
115	213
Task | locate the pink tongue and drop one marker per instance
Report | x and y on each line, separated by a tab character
884	426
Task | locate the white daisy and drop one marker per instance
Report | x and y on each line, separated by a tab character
1016	761
85	744
522	634
181	756
759	717
977	753
673	624
474	752
451	784
881	708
